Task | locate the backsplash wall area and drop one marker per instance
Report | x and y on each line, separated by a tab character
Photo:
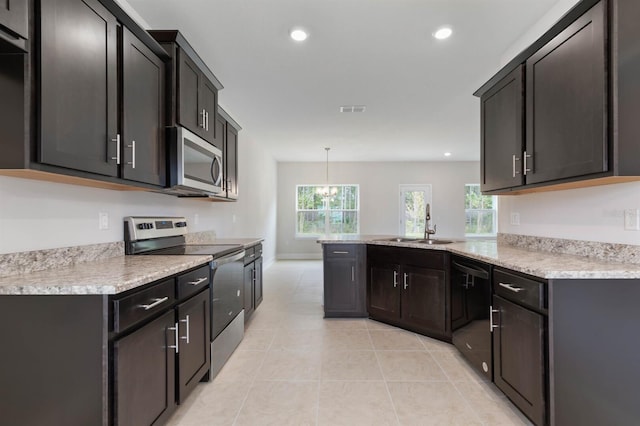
586	214
42	215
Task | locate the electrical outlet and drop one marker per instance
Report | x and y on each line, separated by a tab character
515	219
196	219
632	219
233	218
103	221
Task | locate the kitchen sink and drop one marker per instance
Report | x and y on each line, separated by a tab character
416	240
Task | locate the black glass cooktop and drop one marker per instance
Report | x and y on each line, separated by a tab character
215	250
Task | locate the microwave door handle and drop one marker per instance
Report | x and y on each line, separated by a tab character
216	179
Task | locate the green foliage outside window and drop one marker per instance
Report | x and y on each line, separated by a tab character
319	215
481	212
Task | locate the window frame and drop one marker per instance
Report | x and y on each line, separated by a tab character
327	211
427	188
494	210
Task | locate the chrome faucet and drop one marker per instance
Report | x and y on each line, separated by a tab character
427	231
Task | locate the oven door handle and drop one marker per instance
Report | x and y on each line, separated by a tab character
227	259
479	273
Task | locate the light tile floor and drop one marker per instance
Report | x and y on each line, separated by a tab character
296	368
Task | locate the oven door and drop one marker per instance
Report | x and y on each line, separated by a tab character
195	165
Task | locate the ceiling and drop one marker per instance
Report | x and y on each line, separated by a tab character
379	53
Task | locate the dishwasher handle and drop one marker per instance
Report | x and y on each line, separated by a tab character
470	270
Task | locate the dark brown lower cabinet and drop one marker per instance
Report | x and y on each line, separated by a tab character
144	374
252	279
257	288
248	291
344	280
410	288
195	347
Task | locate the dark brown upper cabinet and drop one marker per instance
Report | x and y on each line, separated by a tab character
79	86
143	102
227	136
566	103
502	123
192	88
87	109
14	25
580	99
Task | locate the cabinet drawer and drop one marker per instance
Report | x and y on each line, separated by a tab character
340	251
258	250
519	289
249	255
194	281
142	305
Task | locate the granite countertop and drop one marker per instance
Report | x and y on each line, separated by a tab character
245	242
533	262
107	276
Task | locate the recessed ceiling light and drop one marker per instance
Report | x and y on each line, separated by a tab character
442	33
298	34
447	154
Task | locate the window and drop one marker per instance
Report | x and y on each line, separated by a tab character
481	212
338	213
413	204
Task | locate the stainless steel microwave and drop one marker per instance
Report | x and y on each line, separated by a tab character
195	166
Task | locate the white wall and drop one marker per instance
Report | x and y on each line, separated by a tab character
590	214
379	196
41	215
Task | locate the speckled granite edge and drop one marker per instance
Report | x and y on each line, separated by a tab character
200	237
608	252
39	260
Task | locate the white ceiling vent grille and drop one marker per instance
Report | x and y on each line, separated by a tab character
353	108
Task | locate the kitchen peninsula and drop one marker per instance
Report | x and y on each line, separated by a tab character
580	314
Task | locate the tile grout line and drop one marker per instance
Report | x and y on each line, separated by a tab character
384	378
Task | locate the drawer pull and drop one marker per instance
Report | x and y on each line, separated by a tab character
155	303
340	252
198	281
253	255
511	287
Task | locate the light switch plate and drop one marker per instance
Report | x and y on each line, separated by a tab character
515	219
103	221
632	219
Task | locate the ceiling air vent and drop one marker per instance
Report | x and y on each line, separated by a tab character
353	108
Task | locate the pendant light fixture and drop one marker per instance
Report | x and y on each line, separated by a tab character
327	192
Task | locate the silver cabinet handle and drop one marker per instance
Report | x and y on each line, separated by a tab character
186	320
526	169
203	118
254	276
198	281
175	346
340	252
117	141
133	154
155	303
207	120
511	287
491	324
405	281
395	279
353	274
514	159
252	255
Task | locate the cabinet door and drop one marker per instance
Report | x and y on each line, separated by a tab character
189	112
519	357
248	291
218	142
79	86
143	153
144	371
231	162
14	17
424	299
194	356
257	287
502	115
340	286
384	291
208	102
566	102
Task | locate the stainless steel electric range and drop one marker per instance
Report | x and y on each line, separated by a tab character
166	236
